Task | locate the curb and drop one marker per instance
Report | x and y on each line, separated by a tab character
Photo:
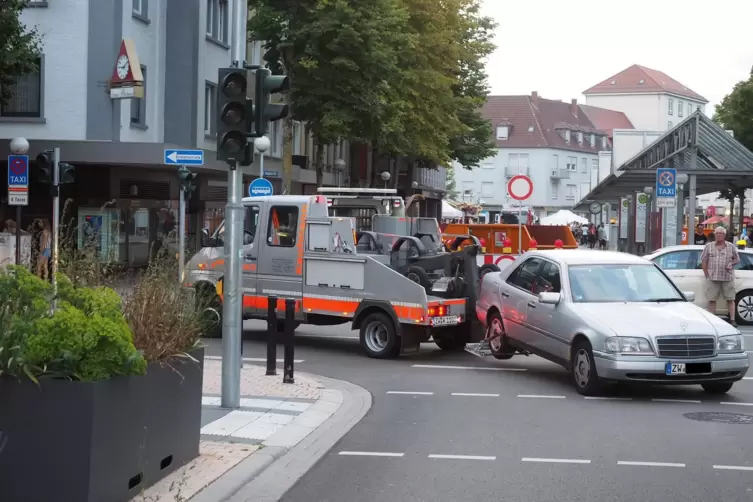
269	473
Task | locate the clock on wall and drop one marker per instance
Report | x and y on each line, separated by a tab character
122	67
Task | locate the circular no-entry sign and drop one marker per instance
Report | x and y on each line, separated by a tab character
666	179
520	187
18	167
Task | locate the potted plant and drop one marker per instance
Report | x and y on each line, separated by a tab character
100	398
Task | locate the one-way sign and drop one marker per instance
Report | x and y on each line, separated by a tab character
184	157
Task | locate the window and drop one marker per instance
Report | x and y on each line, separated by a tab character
698	108
580	138
467	188
283	226
524	277
567	136
531	128
690	108
555	163
584	165
549	279
603	142
503	132
141	9
26	97
250	224
678	260
594	164
487	165
572	192
217	21
680	108
593	140
620	284
138	106
210	100
746	261
518	162
487	189
554	190
669	125
671	106
572	164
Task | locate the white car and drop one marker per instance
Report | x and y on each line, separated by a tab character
683	265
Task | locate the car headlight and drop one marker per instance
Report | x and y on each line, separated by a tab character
730	343
628	345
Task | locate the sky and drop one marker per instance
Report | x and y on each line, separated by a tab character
561	48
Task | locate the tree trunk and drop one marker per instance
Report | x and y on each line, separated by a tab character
319	162
396	159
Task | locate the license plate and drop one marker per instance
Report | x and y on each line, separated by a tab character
674	369
447	320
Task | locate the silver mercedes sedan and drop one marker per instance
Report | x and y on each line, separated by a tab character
607	316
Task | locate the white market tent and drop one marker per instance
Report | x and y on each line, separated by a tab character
450	212
563	217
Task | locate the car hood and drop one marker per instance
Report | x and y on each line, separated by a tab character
654	319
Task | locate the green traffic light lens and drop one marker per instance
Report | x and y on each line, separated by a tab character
234	84
233	114
233	142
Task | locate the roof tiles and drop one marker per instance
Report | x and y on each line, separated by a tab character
638	79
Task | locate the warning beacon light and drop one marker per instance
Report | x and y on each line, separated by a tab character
558	244
507	246
532	245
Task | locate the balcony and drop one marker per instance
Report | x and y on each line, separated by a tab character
560	174
511	171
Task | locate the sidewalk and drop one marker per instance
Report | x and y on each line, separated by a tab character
238	445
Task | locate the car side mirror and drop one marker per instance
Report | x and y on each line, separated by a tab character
689	295
549	298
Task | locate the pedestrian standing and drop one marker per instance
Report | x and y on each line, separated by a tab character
602	235
45	251
718	261
700	238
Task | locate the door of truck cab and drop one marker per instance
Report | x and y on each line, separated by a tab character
280	259
252	218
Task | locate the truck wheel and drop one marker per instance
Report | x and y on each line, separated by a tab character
419	276
379	337
486	268
453	339
497	346
583	370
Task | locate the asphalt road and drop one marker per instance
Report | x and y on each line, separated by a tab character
456	427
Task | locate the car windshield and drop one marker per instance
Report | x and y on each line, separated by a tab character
621	283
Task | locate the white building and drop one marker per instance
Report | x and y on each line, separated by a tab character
556	144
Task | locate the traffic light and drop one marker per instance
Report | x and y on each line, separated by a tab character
266	84
187	179
44	167
67	173
235	111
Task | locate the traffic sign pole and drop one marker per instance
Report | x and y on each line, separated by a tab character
18	192
182	237
520	188
55	223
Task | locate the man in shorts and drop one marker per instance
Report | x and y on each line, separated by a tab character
718	260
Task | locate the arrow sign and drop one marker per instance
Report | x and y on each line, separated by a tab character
184	157
260	187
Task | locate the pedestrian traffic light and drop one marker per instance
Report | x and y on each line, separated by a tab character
266	84
44	167
67	173
186	179
235	111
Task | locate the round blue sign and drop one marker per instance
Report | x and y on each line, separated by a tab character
260	187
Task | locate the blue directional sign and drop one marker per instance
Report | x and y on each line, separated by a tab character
18	180
260	187
184	157
666	187
271	174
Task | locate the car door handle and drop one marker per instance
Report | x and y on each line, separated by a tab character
505	294
532	305
250	258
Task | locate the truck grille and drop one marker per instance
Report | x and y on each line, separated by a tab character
701	346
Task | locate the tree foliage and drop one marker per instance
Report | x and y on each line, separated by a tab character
19	47
735	112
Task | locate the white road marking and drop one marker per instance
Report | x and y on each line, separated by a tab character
410	393
448	367
689	401
556	460
254	359
736	404
471	394
602	398
371	454
536	396
650	464
463	457
734	467
747	378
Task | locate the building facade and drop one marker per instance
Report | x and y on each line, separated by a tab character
554	143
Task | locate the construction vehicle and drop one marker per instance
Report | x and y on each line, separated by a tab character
294	249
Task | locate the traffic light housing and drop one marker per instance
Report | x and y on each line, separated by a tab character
67	173
44	167
266	84
187	180
235	111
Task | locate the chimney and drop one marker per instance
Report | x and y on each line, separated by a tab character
574	107
535	98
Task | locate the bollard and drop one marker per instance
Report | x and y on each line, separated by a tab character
272	335
287	371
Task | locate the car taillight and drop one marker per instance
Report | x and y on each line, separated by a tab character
438	311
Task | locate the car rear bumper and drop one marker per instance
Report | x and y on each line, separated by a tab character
727	367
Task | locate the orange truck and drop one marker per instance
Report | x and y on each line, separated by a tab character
495	236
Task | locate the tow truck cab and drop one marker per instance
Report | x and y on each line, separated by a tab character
294	249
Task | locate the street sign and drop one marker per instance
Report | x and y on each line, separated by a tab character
595	207
260	187
271	174
520	187
18	180
666	187
184	157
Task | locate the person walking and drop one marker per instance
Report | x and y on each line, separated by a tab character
45	251
718	260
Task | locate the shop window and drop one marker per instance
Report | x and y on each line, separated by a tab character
283	226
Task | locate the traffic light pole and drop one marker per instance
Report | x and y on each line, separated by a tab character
55	224
182	231
232	323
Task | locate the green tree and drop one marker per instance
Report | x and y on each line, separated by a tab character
19	47
735	112
450	184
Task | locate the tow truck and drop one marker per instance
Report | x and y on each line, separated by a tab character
293	248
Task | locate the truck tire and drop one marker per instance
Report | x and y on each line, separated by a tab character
378	336
451	339
486	268
419	276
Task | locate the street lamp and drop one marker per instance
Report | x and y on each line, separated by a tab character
261	144
385	177
19	146
339	170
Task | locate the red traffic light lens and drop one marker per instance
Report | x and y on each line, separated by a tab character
234	84
233	142
233	114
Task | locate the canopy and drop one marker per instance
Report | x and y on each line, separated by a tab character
450	212
563	217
